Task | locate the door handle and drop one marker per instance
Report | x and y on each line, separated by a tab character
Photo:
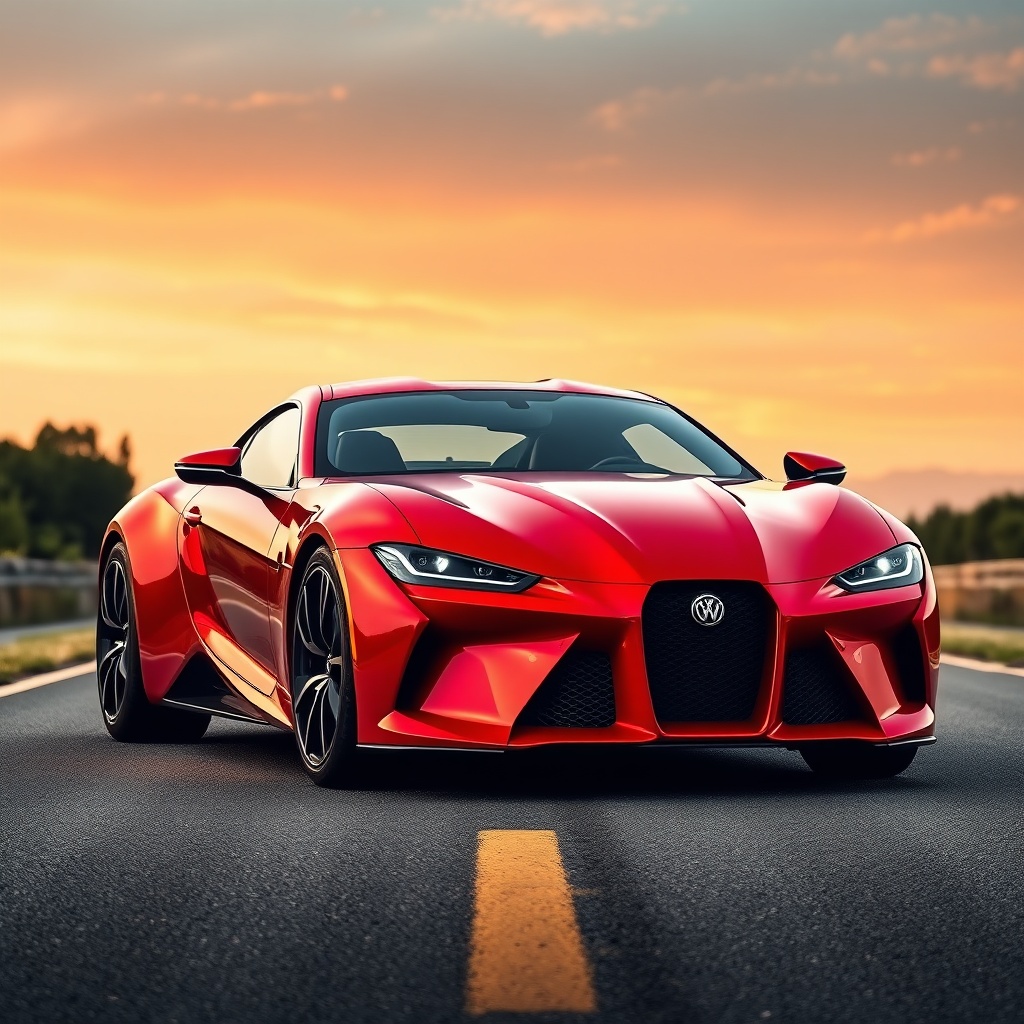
193	516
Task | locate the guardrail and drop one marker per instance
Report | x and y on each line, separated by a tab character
982	591
32	590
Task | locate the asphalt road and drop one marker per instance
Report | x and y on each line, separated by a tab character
212	882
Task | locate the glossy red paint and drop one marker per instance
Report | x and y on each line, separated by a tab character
801	466
216	458
215	569
226	573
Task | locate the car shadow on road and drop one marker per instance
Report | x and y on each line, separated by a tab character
583	774
573	773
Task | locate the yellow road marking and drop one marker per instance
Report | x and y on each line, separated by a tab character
527	952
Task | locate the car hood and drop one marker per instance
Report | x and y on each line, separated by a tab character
637	529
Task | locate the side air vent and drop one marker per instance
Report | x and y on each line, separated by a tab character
424	656
815	690
906	650
577	694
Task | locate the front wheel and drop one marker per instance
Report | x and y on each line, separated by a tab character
323	696
852	760
127	712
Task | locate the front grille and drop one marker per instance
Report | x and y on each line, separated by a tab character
706	673
815	690
577	694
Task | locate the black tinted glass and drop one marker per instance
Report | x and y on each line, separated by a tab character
515	432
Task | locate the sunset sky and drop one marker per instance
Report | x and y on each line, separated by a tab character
801	221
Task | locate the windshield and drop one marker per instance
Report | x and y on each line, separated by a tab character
514	432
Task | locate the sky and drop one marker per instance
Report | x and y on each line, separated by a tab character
803	222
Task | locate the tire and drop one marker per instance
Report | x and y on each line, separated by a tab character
853	760
126	710
323	694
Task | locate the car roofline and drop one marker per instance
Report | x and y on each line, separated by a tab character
399	385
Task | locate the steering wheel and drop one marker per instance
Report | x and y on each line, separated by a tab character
617	460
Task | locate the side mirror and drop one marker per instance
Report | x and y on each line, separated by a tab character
803	466
220	466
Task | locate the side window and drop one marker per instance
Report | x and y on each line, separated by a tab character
270	454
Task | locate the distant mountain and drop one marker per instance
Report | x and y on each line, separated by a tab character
917	492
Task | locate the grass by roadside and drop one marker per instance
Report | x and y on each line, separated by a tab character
34	654
986	644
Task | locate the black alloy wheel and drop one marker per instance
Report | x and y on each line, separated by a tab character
127	712
323	702
113	636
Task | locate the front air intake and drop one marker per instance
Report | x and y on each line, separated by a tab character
816	688
577	694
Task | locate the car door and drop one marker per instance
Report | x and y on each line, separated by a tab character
225	545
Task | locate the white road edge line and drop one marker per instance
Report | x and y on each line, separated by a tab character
34	682
955	661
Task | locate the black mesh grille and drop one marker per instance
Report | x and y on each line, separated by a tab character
815	690
706	673
906	649
577	694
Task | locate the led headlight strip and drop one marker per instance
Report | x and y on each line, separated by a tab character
426	566
900	566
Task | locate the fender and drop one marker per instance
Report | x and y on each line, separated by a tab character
148	525
357	516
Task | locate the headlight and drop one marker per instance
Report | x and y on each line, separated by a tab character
418	565
898	567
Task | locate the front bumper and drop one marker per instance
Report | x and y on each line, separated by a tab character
449	668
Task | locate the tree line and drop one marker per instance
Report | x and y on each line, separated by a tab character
57	497
995	529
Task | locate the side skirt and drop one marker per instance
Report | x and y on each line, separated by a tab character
201	688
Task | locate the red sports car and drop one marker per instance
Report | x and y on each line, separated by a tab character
398	563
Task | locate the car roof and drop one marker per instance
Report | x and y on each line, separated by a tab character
395	385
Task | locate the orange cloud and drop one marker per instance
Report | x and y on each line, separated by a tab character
986	71
913	33
259	100
993	210
924	157
792	78
615	115
29	121
990	124
557	17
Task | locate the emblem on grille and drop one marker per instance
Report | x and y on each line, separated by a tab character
707	610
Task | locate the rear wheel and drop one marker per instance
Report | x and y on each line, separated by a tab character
323	697
851	760
127	712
